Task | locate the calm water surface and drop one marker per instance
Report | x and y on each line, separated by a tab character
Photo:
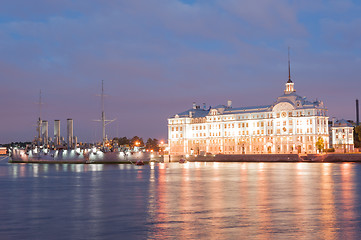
180	201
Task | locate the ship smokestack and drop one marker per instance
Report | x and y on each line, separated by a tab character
357	114
56	132
70	132
45	132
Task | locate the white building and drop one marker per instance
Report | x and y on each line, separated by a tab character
342	136
291	124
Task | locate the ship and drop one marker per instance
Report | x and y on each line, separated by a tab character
58	151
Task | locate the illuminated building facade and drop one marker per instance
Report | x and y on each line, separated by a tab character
342	136
292	124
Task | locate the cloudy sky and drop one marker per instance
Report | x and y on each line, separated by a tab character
156	57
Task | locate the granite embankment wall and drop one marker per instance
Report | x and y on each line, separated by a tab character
336	157
331	157
241	158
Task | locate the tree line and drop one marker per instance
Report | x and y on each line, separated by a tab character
150	144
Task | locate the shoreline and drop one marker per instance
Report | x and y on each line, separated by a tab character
326	157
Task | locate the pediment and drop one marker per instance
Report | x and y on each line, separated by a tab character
283	106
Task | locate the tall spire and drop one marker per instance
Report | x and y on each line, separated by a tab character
289	67
289	85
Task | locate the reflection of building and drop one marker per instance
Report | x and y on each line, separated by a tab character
290	125
342	136
163	148
3	150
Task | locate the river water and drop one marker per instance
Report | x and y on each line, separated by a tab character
181	201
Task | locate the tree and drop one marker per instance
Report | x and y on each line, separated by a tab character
123	141
152	144
115	140
357	137
320	145
136	141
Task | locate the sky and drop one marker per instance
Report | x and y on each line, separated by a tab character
157	57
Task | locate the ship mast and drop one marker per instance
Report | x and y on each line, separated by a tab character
39	121
103	115
103	119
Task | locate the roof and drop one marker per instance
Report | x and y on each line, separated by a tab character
292	98
196	113
342	123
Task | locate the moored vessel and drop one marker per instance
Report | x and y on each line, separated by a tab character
45	150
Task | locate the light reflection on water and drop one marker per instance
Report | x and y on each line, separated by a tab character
178	201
